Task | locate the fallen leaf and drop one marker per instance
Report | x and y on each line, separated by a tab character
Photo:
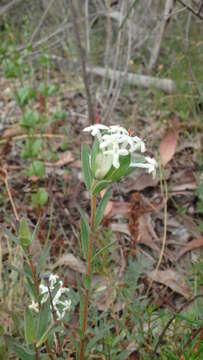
173	280
168	145
71	261
65	158
193	244
115	208
146	232
138	181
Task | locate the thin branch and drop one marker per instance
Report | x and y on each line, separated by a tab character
41	20
82	55
189	8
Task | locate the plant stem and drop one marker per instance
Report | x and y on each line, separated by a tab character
88	273
34	274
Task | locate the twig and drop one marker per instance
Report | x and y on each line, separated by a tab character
189	8
82	55
41	20
170	321
25	136
5	179
87	289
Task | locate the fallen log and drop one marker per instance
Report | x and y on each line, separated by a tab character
144	81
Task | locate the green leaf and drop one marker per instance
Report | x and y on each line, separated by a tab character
1	330
100	251
201	227
36	147
200	192
116	174
24	234
36	169
45	335
22	352
60	115
30	119
85	231
101	207
40	198
23	95
86	166
100	185
29	327
43	320
95	149
11	236
43	258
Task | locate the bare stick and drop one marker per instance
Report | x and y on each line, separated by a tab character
189	8
82	55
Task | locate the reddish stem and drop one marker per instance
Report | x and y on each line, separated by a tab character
88	274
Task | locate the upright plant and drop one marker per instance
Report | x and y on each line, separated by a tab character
114	154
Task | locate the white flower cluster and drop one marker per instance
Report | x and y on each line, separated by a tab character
59	306
115	141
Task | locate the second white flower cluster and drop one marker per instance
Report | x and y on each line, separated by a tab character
60	306
115	141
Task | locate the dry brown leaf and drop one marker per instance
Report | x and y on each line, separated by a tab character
146	232
173	280
65	158
138	181
71	261
105	294
193	244
116	208
168	145
121	228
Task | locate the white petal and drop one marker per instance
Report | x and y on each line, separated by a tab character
123	152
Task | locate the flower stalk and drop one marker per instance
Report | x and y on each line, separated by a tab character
88	274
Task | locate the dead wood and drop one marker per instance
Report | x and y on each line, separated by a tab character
144	81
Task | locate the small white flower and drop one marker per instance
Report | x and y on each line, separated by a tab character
116	152
150	164
34	306
134	143
95	129
139	143
117	129
53	280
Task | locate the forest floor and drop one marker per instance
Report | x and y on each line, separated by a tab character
154	223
